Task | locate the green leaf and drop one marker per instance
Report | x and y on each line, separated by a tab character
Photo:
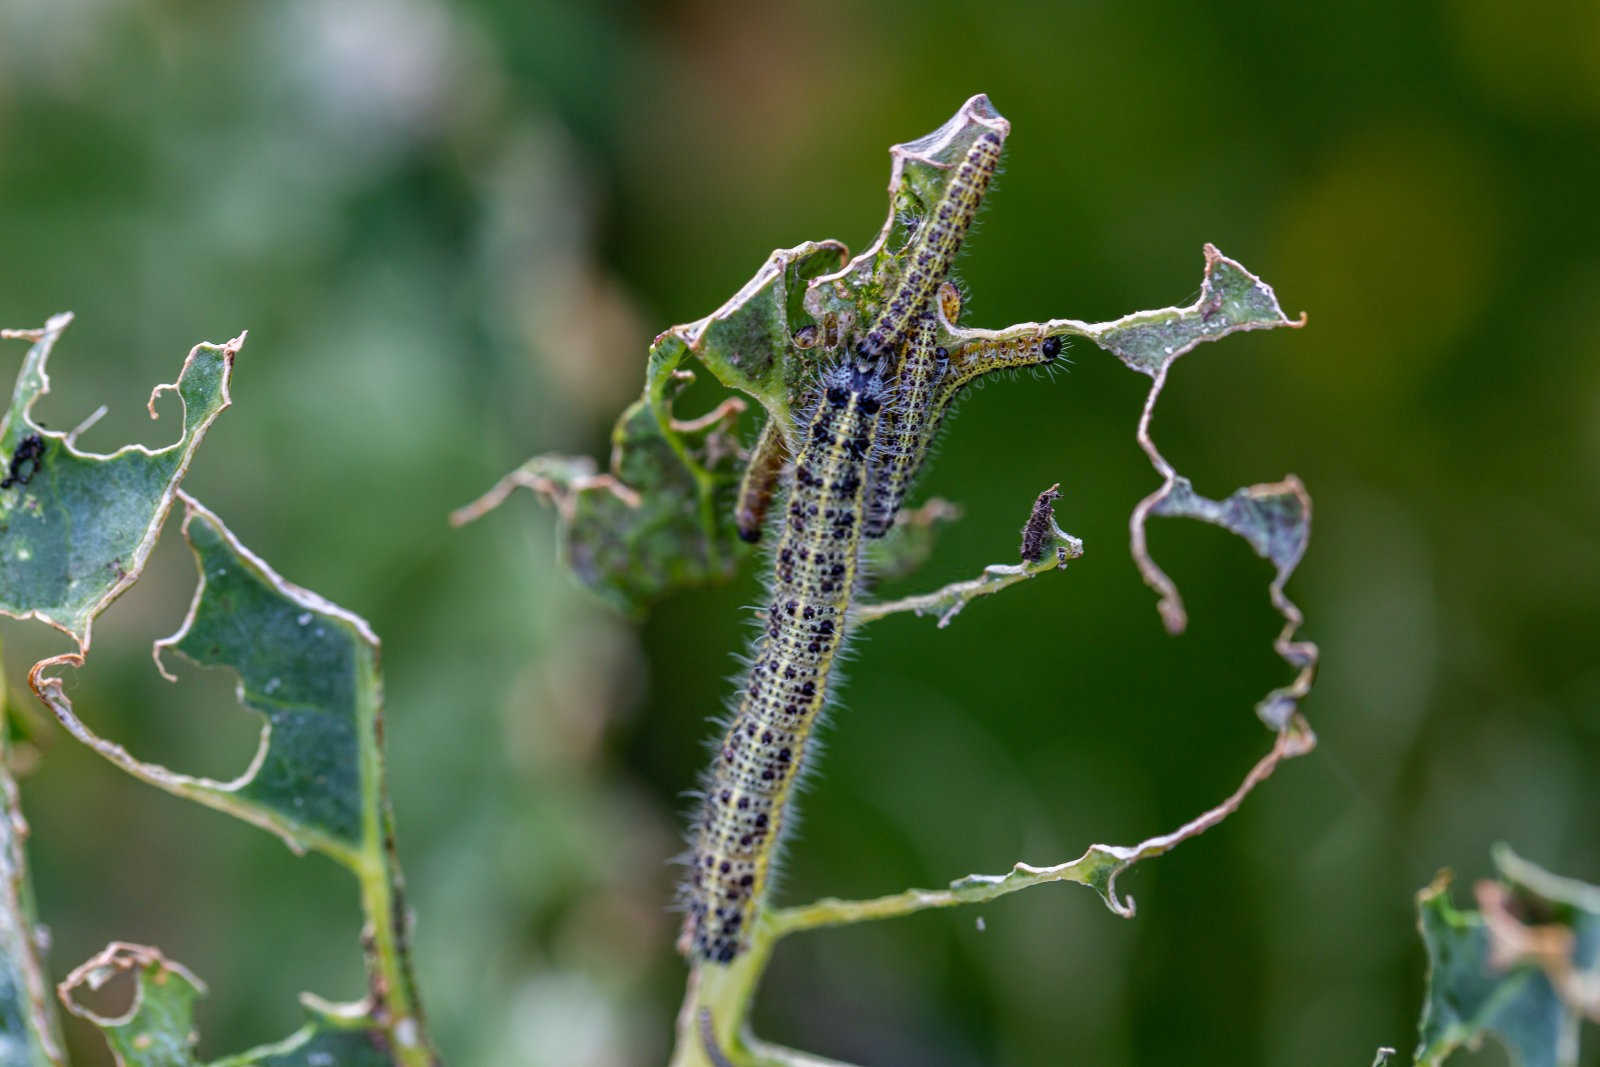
157	1030
1231	300
77	527
308	667
1525	967
310	670
662	517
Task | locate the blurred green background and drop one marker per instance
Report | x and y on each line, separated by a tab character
452	231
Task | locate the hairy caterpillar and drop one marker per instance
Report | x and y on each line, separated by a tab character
922	285
904	433
814	575
927	383
985	355
934	247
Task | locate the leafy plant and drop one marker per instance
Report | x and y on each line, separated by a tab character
76	530
677	503
839	354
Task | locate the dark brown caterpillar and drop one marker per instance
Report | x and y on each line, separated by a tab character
30	450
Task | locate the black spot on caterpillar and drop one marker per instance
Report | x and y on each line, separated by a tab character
931	251
746	791
30	450
1036	531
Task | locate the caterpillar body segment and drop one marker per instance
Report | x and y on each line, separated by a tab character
814	576
933	249
905	430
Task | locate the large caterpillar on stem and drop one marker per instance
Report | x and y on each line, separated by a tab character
814	576
850	476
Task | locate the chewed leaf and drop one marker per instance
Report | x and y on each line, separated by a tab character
310	669
29	1032
77	527
1231	299
920	171
748	343
307	666
1275	520
1045	547
158	1029
662	517
1524	968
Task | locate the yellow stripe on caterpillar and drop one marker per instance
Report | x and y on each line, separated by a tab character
747	790
928	257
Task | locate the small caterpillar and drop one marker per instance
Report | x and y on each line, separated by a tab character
760	482
30	450
985	355
933	249
814	575
1041	522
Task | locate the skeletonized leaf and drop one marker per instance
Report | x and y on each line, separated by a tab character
77	527
1274	518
